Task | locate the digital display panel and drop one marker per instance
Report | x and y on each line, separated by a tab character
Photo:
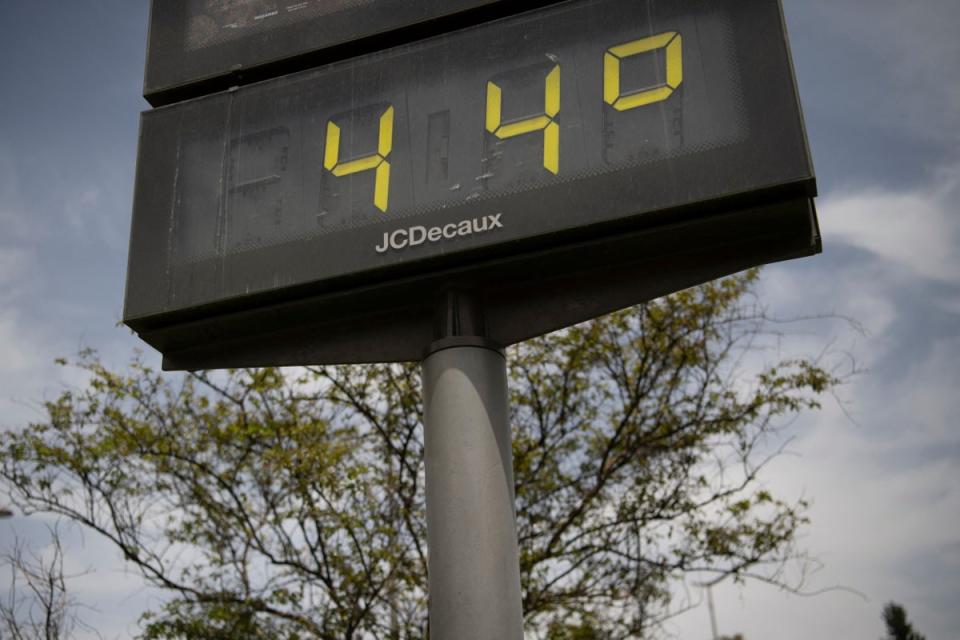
529	132
199	46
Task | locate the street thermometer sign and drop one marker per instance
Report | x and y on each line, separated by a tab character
347	181
558	163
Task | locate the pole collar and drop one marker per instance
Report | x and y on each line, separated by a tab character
453	342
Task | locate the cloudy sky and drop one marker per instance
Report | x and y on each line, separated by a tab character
880	84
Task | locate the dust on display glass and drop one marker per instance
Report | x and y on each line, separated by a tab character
213	22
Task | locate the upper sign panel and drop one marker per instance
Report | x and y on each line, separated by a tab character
200	45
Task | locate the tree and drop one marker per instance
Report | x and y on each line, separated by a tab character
898	628
290	504
37	604
583	630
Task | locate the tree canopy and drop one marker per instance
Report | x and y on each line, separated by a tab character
290	503
898	627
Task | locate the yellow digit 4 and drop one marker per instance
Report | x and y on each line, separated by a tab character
545	122
671	41
376	161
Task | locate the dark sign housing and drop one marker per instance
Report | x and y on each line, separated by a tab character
560	164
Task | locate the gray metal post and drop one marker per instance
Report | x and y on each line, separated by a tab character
474	568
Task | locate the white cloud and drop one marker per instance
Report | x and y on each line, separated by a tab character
885	489
80	207
14	226
927	398
14	353
872	515
860	292
100	213
17	266
915	229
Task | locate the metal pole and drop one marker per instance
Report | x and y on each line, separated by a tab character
713	613
473	561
